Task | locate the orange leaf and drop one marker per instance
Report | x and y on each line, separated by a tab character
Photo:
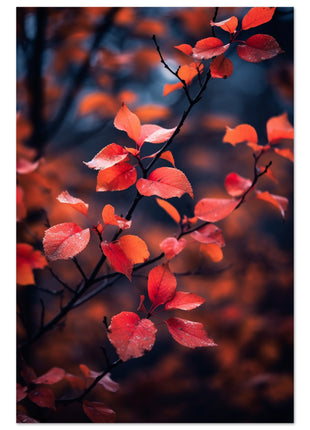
286	153
279	202
117	258
27	259
258	48
185	48
135	248
172	246
185	301
63	241
236	185
151	112
208	48
169	88
127	121
98	103
109	218
108	157
165	182
221	67
77	204
229	24
257	16
214	209
116	178
161	285
98	412
210	233
241	133
188	333
278	128
154	134
171	210
213	251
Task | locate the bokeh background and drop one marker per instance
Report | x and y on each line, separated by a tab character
74	68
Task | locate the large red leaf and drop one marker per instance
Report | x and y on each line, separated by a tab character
135	248
169	209
74	202
236	185
188	333
185	301
241	133
210	233
278	128
127	121
98	412
208	48
161	285
116	178
63	241
117	258
172	246
154	134
221	67
130	335
27	259
109	218
258	48
279	202
42	396
107	157
229	24
257	16
214	209
165	182
54	375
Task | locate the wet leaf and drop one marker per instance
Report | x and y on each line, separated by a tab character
108	157
184	301
188	333
258	48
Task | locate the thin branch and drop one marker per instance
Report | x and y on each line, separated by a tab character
75	261
64	284
213	19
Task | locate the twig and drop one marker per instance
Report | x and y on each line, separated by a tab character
64	284
79	268
213	19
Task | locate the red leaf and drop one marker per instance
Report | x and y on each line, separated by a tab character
130	335
21	392
77	204
278	128
106	381
161	285
43	397
135	248
63	241
229	24
208	48
258	148
117	258
210	233
257	16
279	202
27	259
165	182
285	152
24	166
185	48
213	251
98	412
172	247
126	120
22	418
116	178
236	185
241	133
214	209
108	157
171	210
109	218
154	134
258	48
188	333
221	67
185	301
54	375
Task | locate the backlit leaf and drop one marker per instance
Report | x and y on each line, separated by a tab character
116	178
117	258
98	103
27	259
188	333
229	24
209	233
241	133
208	48
165	182
42	397
279	202
98	412
54	375
214	209
278	128
221	67
257	16
161	285
170	209
130	335
135	248
213	251
285	152
109	218
169	88
108	157
63	241
172	246
185	48
236	185
154	134
74	202
185	301
127	121
258	48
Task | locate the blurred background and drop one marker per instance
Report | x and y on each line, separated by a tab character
75	66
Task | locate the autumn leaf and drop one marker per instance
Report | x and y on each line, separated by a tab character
281	203
185	48
135	248
165	182
188	333
257	16
161	285
117	258
109	218
108	157
241	133
258	48
213	251
24	167
278	128
98	103
221	67
169	209
127	121
130	335
208	48
106	381
74	202
98	412
42	397
214	209
63	241
236	185
209	233
21	392
184	301
116	178
228	25
54	375
154	134
285	152
172	246
27	259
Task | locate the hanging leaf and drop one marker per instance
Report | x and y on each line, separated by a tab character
108	157
258	48
241	133
130	335
135	248
278	128
188	333
161	285
208	48
236	185
98	412
172	246
116	178
109	218
27	259
74	202
213	251
42	397
228	25
184	301
54	375
117	258
214	209
185	48
127	121
279	202
221	67
257	16
165	182
169	209
154	134
209	233
63	241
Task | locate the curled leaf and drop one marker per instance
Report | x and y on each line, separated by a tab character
209	233
208	48
109	218
169	209
228	25
108	157
127	121
74	202
117	258
185	48
279	202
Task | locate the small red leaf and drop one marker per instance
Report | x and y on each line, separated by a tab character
185	48
154	134
108	157
21	392
236	185
54	375
134	247
278	128
285	152
109	218
210	233
229	24
257	16
208	48
172	247
221	67
74	202
241	133
279	202
98	412
258	48
27	259
43	397
117	258
127	121
161	285
188	333
185	301
214	209
130	335
116	178
169	209
63	241
165	182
